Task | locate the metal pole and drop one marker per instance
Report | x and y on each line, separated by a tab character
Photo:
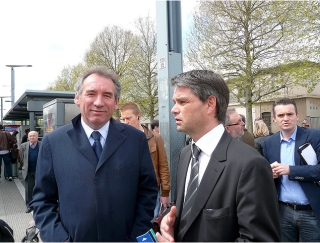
169	53
1	111
12	86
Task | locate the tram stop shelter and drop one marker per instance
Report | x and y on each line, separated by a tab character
29	107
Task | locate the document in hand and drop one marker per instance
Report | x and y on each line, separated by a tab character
308	154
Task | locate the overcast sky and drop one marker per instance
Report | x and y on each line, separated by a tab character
52	34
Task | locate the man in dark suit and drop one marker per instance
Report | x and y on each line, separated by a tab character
95	179
29	154
225	190
299	195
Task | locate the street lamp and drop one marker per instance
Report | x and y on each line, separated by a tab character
12	82
1	97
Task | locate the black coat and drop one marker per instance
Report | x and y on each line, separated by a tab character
259	143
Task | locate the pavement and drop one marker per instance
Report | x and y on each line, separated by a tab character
12	205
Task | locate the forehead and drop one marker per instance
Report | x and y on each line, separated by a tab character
282	109
127	113
183	92
235	116
32	134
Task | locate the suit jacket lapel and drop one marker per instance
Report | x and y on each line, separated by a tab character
301	138
114	139
81	142
211	176
182	170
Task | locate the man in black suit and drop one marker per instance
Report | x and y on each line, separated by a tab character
95	179
225	190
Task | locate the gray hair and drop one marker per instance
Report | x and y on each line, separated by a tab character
203	84
101	71
230	111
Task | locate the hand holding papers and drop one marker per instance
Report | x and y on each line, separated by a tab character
308	156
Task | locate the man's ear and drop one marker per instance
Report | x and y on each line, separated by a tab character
77	99
116	104
212	104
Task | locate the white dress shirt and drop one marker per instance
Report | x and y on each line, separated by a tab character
103	131
207	144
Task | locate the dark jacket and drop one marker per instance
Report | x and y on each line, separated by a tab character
304	174
236	199
259	143
110	199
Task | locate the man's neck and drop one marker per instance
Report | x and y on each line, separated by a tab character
286	134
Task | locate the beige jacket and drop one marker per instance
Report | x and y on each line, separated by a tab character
159	160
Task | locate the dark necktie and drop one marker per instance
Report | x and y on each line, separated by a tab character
96	145
191	191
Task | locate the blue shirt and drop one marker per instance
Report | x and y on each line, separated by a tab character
290	191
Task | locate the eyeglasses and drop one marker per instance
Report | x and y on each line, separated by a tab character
235	124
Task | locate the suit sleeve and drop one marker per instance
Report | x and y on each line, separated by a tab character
257	221
308	172
147	192
45	198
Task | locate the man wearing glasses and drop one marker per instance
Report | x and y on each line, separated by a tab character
234	124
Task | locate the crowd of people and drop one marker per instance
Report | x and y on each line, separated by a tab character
97	179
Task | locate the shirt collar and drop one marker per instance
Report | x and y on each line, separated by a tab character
103	130
208	142
292	137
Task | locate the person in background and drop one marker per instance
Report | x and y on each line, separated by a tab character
298	194
14	135
260	132
29	154
225	190
247	137
233	123
25	136
97	171
257	120
131	115
155	126
6	142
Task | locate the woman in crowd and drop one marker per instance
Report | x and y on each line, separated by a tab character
260	132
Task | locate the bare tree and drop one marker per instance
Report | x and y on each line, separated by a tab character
258	46
67	79
113	48
142	86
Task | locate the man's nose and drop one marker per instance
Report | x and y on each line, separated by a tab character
174	109
99	100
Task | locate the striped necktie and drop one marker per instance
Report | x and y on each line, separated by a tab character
191	191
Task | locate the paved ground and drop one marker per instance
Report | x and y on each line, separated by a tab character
13	207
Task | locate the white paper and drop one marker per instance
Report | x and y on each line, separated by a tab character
309	155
